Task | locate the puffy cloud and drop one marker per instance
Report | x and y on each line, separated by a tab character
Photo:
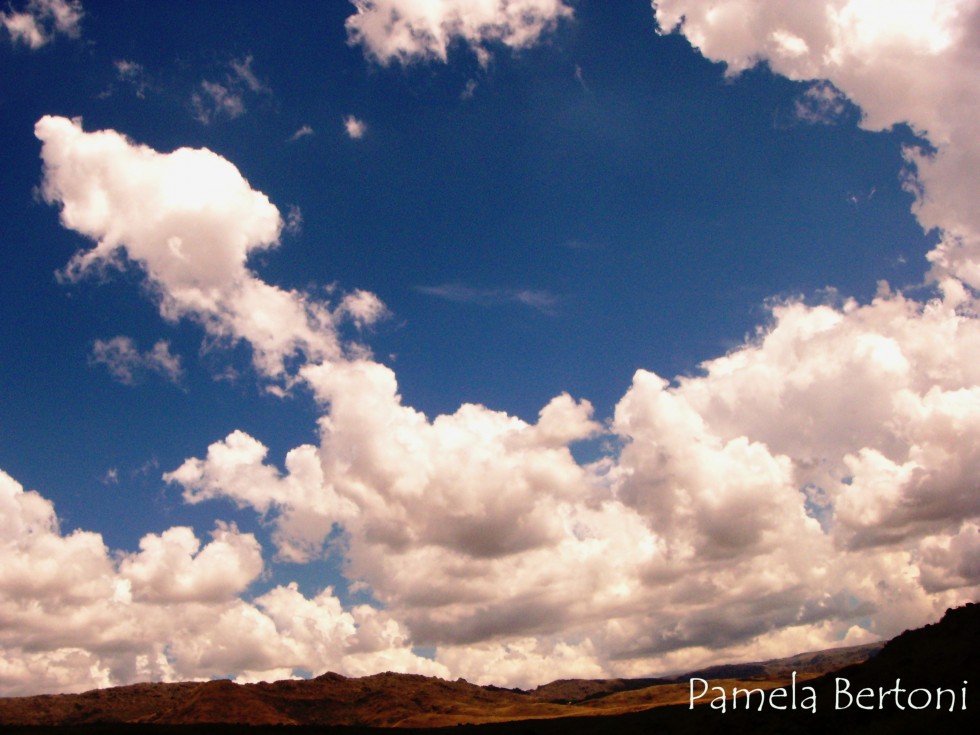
125	362
409	30
875	405
76	616
306	508
363	308
190	221
42	20
817	475
172	566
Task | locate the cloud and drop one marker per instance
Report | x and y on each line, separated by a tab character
294	220
303	132
125	362
189	221
77	616
815	484
407	30
226	99
821	103
42	20
901	62
172	567
243	71
132	73
363	308
354	128
216	101
458	293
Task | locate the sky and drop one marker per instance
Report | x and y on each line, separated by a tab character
511	341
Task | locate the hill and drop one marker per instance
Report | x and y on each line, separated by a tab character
939	655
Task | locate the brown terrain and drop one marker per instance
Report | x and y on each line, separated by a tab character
335	703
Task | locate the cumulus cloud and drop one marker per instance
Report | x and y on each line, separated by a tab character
126	363
189	221
77	616
408	30
41	20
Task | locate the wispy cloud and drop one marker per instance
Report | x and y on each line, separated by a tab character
42	20
227	98
542	301
216	100
132	73
243	71
303	132
822	103
127	364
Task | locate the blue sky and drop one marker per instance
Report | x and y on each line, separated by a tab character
449	229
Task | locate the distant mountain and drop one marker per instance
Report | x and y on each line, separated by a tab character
813	662
944	654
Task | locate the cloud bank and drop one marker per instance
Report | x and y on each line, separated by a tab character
816	485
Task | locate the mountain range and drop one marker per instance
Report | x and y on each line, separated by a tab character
942	655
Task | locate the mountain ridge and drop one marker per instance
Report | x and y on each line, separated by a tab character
939	652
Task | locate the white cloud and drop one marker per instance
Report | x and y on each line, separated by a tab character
42	20
172	567
77	616
190	222
363	308
126	363
410	30
901	61
354	128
